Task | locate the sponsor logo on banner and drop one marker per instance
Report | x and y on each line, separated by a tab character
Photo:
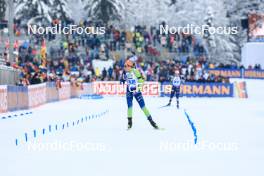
227	73
201	89
150	89
65	91
36	95
109	88
3	99
115	88
241	89
238	73
256	74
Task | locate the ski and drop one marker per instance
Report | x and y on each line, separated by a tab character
161	129
164	106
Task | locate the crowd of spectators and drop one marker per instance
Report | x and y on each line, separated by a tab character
142	39
69	65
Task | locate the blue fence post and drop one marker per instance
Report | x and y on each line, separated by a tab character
26	137
35	133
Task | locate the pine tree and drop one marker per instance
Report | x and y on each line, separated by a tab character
220	47
147	12
60	10
33	11
241	8
2	9
78	12
105	10
236	12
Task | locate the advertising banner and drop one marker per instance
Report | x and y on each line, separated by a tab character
200	89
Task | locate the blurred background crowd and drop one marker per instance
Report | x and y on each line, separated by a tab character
70	57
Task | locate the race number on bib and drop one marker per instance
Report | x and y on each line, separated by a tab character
132	84
176	82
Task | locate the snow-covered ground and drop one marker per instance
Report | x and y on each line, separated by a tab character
230	138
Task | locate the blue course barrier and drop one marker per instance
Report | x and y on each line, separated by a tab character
26	137
11	116
192	126
93	96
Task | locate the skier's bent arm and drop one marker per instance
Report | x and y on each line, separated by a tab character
140	79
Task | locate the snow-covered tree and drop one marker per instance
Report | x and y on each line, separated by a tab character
60	10
172	2
128	13
105	10
221	47
2	9
241	8
33	11
147	12
78	12
238	10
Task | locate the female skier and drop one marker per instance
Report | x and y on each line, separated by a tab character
135	81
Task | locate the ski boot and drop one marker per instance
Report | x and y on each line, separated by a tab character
178	104
152	123
169	103
129	125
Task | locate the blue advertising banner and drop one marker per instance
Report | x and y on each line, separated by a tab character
191	89
254	74
227	73
238	73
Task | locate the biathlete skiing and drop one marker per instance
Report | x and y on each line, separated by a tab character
135	80
176	88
